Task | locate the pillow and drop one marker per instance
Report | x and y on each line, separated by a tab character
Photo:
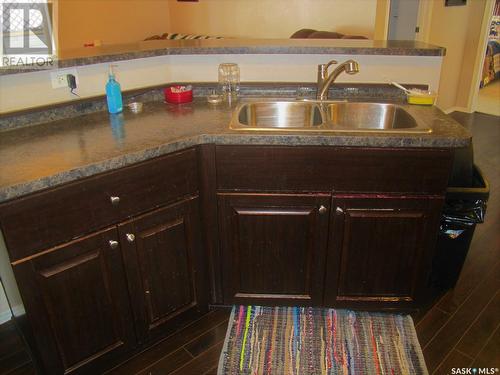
354	37
302	34
325	35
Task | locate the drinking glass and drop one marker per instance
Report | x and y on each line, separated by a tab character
229	79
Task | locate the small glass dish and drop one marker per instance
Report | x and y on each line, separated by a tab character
214	98
135	107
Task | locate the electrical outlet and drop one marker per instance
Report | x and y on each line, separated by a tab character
59	77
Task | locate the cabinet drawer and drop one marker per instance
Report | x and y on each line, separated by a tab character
342	169
44	219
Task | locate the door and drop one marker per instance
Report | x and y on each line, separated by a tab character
165	268
403	19
77	303
380	250
273	247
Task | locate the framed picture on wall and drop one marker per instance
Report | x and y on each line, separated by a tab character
454	3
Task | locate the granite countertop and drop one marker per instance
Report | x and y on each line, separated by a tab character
152	48
42	156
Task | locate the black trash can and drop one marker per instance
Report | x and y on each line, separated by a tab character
464	208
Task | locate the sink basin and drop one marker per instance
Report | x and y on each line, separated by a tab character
275	115
369	116
326	116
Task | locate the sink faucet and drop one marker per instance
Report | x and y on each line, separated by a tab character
325	80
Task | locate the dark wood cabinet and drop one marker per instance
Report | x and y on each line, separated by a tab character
380	250
77	302
270	225
273	247
165	268
94	296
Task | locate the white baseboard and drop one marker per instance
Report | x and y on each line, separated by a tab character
6	315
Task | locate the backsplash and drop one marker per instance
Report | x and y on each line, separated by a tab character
283	90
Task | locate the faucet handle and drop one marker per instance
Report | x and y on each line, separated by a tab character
323	70
329	64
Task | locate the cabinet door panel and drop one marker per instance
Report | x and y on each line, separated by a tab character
380	250
77	300
165	268
273	247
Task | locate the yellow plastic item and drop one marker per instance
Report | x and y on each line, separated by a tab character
424	98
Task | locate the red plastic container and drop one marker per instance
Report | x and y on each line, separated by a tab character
177	97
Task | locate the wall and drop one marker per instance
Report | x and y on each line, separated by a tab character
272	18
111	21
4	308
458	30
472	62
10	285
381	26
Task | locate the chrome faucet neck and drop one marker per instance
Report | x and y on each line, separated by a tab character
323	73
325	80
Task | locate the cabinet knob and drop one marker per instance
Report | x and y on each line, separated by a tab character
322	209
114	200
113	244
130	237
339	210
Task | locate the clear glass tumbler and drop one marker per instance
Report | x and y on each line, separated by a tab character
229	79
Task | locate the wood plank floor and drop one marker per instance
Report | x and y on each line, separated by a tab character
461	329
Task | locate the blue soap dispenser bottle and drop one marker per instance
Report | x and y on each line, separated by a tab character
113	93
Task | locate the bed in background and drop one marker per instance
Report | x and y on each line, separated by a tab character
491	66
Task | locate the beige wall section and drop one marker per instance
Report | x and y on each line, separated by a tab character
272	18
458	30
157	70
424	20
381	26
111	21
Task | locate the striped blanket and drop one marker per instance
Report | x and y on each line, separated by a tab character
176	36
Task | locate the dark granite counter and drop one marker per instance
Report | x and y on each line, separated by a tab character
38	157
131	51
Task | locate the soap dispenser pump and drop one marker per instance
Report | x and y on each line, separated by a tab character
113	93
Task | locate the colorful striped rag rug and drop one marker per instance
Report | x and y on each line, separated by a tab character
309	341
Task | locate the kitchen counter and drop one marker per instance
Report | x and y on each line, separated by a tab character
42	156
152	48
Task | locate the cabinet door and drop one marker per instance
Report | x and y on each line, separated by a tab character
165	268
273	247
77	303
380	250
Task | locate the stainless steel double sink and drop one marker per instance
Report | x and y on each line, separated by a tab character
326	116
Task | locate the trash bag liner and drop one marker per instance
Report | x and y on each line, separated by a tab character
459	215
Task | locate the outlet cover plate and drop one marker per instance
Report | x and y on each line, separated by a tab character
59	78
